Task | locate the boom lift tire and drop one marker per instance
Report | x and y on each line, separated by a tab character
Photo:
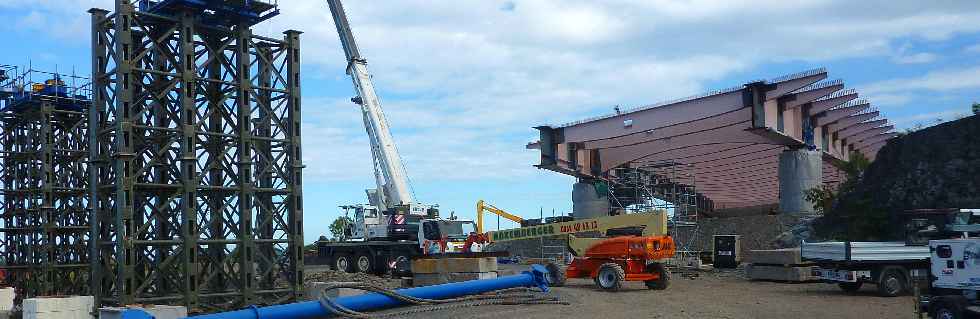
850	287
556	276
343	262
364	262
610	277
660	283
891	282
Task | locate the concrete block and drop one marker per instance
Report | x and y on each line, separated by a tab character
788	256
439	265
74	307
74	314
765	272
7	298
436	279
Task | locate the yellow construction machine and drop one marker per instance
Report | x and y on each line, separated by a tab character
637	254
482	206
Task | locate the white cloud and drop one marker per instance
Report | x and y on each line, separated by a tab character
916	58
464	81
927	119
888	99
944	80
973	48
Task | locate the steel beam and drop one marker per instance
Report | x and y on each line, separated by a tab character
858	128
834	100
857	138
810	93
835	115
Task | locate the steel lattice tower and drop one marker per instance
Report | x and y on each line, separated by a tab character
44	227
197	179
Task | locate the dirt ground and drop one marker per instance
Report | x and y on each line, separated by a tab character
712	295
717	294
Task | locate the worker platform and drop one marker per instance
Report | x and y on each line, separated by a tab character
225	13
28	90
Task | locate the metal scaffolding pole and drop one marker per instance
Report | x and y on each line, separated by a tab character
197	182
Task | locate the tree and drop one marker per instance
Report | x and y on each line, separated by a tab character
976	108
339	226
823	196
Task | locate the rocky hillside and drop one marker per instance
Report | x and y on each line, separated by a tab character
936	167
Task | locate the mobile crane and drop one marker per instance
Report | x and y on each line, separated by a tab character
608	261
393	227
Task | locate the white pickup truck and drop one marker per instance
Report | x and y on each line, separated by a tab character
852	264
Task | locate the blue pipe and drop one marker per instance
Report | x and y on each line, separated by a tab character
373	301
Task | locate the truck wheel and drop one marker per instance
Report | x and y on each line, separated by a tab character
660	283
364	262
400	263
556	276
891	282
947	309
343	263
610	277
850	287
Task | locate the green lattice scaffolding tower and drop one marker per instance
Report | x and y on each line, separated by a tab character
44	227
197	180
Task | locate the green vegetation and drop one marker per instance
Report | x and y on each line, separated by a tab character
848	216
338	226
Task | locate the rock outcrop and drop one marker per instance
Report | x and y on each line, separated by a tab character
936	167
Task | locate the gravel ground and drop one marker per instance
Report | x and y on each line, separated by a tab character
322	273
710	295
716	294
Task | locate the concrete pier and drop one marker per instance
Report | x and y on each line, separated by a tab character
799	170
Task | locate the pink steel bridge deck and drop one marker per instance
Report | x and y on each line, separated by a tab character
733	137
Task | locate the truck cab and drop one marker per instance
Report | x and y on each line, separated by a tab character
954	268
445	235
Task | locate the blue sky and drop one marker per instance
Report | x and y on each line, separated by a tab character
463	82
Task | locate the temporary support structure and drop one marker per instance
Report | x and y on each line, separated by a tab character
196	182
43	217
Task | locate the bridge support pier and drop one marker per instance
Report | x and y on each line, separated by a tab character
799	170
587	202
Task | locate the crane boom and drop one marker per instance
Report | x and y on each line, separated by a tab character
390	174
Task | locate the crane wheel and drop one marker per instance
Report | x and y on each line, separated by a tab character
660	283
556	276
343	263
364	262
400	263
610	277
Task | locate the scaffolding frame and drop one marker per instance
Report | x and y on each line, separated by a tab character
196	178
665	185
44	225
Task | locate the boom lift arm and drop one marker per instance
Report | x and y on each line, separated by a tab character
654	223
482	206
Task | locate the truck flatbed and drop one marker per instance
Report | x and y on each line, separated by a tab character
859	251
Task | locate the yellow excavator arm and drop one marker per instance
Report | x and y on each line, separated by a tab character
482	206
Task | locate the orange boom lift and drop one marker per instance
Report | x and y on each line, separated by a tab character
608	261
